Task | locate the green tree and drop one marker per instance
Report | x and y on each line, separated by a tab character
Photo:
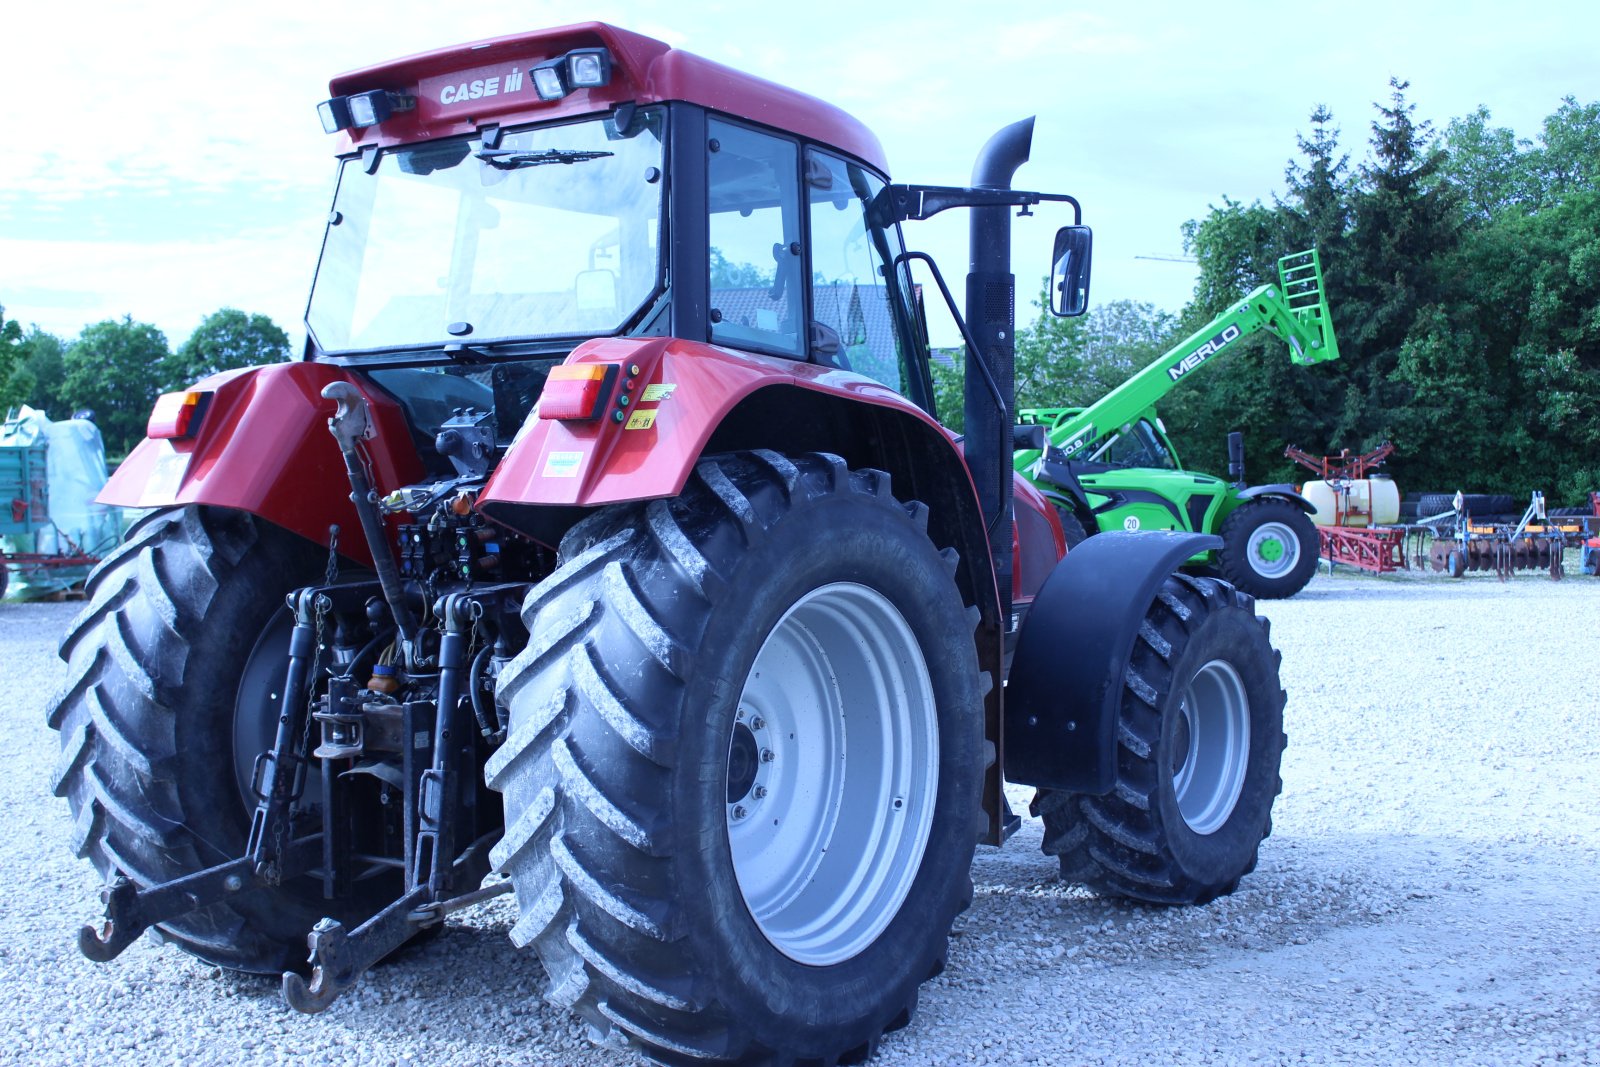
1489	165
1569	161
224	340
1318	206
44	360
15	381
114	369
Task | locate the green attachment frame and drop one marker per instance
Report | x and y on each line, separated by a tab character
1311	338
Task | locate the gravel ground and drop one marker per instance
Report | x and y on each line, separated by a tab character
1427	896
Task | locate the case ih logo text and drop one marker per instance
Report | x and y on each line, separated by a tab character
479	88
1203	353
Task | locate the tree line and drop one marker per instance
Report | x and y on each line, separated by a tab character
1462	269
116	369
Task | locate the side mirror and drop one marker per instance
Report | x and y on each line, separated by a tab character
1069	271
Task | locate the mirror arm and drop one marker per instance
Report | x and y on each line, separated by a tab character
901	203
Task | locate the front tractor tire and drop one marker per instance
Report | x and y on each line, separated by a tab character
742	780
160	719
1199	740
1269	548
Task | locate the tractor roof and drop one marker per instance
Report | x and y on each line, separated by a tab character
462	88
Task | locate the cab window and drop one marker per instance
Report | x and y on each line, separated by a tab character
1136	445
755	255
855	299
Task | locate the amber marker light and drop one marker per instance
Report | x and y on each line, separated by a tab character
177	415
575	392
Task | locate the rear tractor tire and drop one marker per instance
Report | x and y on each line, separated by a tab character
742	780
1269	548
1200	738
172	672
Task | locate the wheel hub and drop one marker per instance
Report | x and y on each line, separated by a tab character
744	758
832	774
1273	550
1211	747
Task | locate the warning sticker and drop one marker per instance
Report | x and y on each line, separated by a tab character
657	392
641	420
562	464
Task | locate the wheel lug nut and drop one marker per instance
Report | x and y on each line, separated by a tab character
767	755
761	791
758	723
739	811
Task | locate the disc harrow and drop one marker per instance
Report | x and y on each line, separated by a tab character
1537	542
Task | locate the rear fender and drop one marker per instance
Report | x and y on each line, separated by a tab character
263	446
1065	691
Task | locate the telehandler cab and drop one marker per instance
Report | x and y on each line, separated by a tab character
604	537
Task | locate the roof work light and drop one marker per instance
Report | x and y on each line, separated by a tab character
335	114
581	68
362	109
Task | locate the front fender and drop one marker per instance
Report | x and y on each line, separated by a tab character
1281	490
1064	695
263	446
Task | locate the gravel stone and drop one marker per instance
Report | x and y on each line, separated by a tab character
1427	895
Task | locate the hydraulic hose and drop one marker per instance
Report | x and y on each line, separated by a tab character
350	424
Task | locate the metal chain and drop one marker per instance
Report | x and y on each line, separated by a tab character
332	574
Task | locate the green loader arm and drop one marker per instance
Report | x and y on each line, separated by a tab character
1296	310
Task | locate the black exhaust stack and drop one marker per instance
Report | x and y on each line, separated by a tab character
991	316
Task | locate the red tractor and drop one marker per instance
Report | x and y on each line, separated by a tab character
637	568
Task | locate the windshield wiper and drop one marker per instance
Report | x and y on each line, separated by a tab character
511	158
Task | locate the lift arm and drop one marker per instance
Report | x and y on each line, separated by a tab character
1295	310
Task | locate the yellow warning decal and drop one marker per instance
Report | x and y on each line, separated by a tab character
641	420
657	392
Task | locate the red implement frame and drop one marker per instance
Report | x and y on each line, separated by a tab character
1344	467
1377	550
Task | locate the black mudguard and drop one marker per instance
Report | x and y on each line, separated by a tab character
1286	491
1065	687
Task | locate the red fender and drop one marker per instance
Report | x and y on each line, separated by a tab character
264	447
1038	542
655	424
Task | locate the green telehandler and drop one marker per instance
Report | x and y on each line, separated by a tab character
1111	465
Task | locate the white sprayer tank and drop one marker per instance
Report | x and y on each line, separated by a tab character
1362	502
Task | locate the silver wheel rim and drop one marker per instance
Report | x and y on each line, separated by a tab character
1212	749
1265	535
833	771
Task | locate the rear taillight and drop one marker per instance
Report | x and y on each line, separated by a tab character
177	415
576	391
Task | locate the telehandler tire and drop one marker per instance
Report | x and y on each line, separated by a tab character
1269	548
742	779
1075	529
1200	738
157	724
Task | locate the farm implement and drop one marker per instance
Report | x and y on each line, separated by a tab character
1535	542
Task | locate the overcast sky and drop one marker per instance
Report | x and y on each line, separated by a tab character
164	160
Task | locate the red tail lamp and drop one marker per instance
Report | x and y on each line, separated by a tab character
576	391
177	415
